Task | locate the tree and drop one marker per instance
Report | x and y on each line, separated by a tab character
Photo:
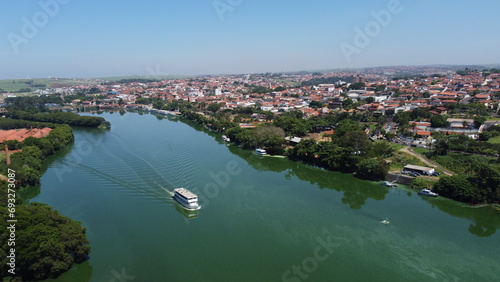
214	107
478	121
381	149
439	121
50	242
380	88
293	126
356	141
484	136
329	155
305	150
372	169
357	86
402	118
459	188
370	100
347	103
316	104
420	113
441	147
345	126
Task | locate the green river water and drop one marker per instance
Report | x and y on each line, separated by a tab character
262	218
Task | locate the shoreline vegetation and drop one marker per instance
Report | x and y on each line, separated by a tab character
350	150
48	243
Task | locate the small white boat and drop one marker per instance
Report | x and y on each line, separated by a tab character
385	221
260	151
389	184
427	192
186	198
225	138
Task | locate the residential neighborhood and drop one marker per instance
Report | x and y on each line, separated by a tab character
313	94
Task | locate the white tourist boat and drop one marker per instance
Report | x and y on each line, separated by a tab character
186	198
427	192
260	151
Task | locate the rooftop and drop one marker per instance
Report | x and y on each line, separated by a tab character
185	193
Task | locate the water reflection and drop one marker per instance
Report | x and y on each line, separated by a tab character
189	214
486	218
355	191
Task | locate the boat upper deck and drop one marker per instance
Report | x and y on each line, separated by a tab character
185	193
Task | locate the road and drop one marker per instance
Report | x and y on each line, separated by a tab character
425	160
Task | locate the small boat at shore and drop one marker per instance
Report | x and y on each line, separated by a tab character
427	192
186	198
225	138
260	151
389	184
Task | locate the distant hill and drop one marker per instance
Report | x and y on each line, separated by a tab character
151	77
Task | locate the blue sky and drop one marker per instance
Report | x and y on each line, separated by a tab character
75	38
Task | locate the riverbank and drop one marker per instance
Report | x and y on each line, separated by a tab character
118	190
65	237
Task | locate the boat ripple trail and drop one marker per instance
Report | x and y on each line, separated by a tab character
153	172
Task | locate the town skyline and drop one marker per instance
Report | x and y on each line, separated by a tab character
62	38
412	70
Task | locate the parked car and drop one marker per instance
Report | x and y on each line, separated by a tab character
435	173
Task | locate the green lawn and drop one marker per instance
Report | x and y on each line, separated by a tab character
11	85
494	140
400	159
420	151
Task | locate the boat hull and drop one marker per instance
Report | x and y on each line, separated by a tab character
428	193
184	204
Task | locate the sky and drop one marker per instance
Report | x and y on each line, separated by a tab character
76	38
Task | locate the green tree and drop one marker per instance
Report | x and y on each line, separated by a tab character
372	169
459	188
357	86
316	104
439	121
345	126
369	100
484	136
356	142
329	155
293	126
347	103
305	150
442	146
381	148
214	107
51	243
478	121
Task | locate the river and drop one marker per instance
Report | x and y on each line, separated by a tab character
262	218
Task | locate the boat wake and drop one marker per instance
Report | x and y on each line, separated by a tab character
151	173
